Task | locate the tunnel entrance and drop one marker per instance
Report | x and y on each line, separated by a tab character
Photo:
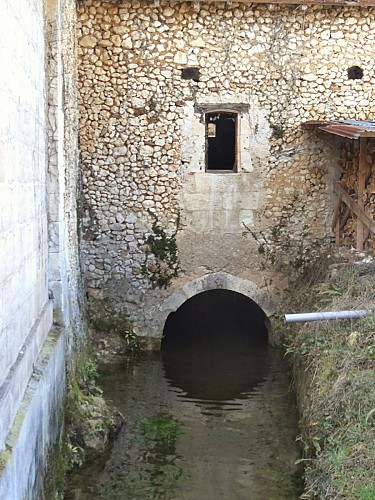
215	346
216	311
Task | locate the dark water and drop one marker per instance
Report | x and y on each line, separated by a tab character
210	418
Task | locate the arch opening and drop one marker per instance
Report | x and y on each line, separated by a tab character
216	311
215	346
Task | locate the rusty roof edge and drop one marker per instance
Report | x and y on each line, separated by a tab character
341	131
351	129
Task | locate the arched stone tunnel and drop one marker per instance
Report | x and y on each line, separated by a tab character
205	298
215	345
215	312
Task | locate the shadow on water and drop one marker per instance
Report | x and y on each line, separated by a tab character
209	417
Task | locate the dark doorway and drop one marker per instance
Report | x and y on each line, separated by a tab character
221	141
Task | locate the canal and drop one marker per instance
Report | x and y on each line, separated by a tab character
211	416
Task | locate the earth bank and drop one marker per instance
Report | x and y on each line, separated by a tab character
334	371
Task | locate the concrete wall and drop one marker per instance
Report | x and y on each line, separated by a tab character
26	311
40	314
142	137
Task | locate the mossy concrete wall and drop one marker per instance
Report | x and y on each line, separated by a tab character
36	426
41	298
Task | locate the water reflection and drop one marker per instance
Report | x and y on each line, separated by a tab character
216	367
180	441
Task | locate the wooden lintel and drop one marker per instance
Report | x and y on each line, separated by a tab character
355	208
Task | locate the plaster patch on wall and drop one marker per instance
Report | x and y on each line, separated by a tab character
219	202
259	133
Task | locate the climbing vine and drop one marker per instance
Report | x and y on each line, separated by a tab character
281	246
161	263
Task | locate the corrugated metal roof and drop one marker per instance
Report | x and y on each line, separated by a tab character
352	129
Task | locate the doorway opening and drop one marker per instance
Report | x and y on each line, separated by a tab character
221	141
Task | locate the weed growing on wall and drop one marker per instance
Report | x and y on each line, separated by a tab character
108	317
283	244
277	130
161	263
89	426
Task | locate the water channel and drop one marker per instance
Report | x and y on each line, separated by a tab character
210	417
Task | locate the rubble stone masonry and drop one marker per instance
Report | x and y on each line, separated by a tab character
143	141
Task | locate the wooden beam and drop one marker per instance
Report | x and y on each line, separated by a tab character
362	173
336	221
336	211
344	218
355	208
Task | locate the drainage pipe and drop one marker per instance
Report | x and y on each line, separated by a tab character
318	316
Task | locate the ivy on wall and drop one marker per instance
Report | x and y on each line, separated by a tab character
161	263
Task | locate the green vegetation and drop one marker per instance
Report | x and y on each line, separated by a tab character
89	426
334	363
89	420
157	474
107	317
277	130
161	262
278	245
160	429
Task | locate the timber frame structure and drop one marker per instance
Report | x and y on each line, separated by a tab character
354	211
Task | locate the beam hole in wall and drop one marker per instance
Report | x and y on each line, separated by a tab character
215	346
355	73
221	141
190	74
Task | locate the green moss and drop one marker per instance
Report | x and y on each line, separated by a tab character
88	426
282	481
54	481
107	316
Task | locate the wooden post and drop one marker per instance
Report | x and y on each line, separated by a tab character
362	172
336	220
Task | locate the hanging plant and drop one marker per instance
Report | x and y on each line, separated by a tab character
161	263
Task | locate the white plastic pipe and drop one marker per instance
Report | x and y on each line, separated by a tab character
318	316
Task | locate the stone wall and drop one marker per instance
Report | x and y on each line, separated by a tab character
142	137
40	294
